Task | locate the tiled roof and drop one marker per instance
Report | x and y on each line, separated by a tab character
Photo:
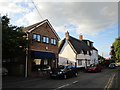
77	45
34	26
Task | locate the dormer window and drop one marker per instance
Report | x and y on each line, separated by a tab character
88	43
91	51
87	52
81	51
91	44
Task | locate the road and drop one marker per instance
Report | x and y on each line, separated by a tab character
84	80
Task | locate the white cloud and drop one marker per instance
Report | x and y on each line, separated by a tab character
88	18
11	8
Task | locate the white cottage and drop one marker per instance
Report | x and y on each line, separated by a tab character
78	52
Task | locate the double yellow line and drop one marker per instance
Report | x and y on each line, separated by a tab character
109	84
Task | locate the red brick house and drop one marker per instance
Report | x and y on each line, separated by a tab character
43	47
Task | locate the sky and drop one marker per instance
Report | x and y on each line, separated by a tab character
96	21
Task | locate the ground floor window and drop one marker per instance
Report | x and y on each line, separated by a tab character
37	61
45	62
40	64
88	62
80	62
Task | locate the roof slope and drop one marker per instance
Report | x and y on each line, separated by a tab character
34	26
77	45
91	47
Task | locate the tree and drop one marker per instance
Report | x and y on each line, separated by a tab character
12	39
116	46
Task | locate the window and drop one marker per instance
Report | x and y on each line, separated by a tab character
87	52
53	41
45	39
91	51
91	44
82	52
45	62
88	43
88	62
37	61
36	37
80	62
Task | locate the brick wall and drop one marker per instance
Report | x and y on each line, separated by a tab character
43	30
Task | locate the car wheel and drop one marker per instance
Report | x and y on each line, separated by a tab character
65	77
76	74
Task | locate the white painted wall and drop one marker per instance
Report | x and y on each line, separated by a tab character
67	53
94	57
83	57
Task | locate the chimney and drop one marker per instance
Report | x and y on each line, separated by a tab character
80	37
67	34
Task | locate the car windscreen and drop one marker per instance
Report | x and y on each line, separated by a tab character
92	65
112	65
61	67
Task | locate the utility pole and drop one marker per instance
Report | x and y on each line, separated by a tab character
26	61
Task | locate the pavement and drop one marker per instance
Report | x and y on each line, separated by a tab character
15	79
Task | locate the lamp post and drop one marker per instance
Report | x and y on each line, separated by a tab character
26	68
26	58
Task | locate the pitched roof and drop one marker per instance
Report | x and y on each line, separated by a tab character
77	45
94	48
91	47
34	26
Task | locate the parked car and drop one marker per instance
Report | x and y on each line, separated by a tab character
112	65
64	71
4	71
93	68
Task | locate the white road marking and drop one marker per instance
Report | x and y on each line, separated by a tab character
75	81
65	85
62	86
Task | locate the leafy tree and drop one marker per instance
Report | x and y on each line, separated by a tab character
116	46
12	39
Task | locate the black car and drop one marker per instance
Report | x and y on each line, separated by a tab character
63	71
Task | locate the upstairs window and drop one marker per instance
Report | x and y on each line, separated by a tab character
91	44
87	52
88	43
45	39
82	52
36	37
53	41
